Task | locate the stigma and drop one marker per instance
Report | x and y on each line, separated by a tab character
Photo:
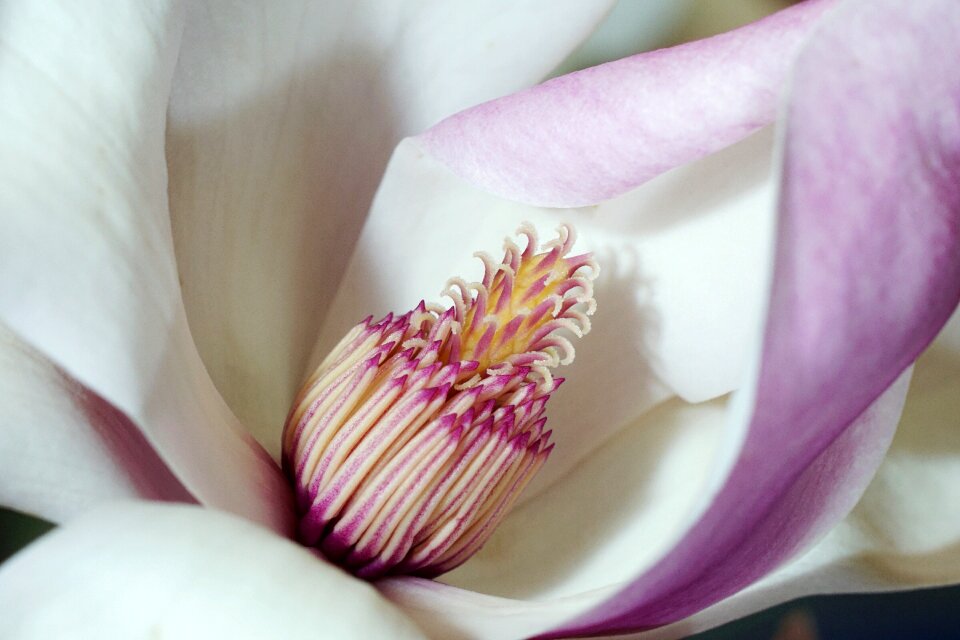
414	438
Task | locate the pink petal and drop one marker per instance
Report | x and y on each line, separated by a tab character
149	571
867	272
87	272
595	134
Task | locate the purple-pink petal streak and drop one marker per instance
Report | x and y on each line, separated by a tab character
597	133
867	272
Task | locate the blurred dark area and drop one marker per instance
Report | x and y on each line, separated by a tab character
18	530
926	614
932	614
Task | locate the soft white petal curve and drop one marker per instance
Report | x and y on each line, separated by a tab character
148	571
906	525
282	119
87	272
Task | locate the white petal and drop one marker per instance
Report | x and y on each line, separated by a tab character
907	524
679	295
703	237
63	448
146	571
86	258
282	120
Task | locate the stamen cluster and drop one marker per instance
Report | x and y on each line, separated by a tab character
416	435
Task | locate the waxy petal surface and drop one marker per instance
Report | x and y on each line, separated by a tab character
87	271
148	571
282	119
905	532
597	133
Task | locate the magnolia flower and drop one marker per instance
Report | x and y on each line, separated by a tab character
805	271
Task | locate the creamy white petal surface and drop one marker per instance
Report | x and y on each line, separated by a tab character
257	118
148	571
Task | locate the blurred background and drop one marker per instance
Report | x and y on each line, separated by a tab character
639	25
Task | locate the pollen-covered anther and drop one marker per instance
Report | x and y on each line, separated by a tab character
414	438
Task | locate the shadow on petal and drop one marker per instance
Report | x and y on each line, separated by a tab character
65	448
267	200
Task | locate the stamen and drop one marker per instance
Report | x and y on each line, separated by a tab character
416	435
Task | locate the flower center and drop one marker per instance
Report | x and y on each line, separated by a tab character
416	435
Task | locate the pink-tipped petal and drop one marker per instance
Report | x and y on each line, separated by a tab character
148	571
867	272
597	133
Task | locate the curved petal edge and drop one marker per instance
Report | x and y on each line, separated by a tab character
597	133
